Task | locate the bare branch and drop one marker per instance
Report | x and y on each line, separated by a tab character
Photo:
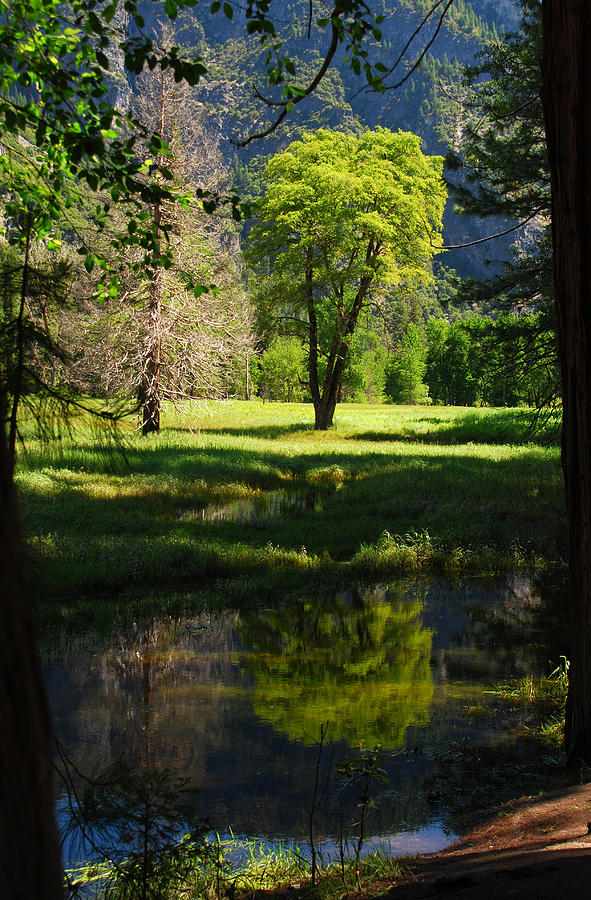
289	104
491	237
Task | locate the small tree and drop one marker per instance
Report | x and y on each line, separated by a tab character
364	378
283	370
405	379
342	218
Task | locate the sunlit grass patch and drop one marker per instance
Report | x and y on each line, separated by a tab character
383	492
327	476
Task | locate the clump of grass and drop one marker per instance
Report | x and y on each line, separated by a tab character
395	554
327	476
236	867
418	552
239	868
547	693
542	700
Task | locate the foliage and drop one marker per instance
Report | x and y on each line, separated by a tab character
503	159
282	370
55	59
342	219
133	824
504	141
405	379
502	362
364	377
362	771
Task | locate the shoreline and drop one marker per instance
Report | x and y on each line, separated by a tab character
535	848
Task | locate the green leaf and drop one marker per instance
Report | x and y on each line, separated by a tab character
109	11
89	263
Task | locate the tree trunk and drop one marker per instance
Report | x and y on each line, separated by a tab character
325	403
566	68
324	414
19	372
152	364
151	386
312	335
29	849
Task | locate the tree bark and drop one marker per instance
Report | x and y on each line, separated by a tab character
151	386
325	403
29	850
17	386
151	376
566	67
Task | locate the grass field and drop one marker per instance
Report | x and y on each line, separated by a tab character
245	499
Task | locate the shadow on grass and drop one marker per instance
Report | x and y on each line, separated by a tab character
514	427
269	432
80	541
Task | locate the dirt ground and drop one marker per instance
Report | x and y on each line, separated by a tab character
539	849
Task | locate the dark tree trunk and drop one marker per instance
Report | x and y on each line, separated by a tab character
312	334
567	95
324	414
325	401
19	372
151	379
151	386
29	849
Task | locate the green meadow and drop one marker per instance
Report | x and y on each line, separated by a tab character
243	502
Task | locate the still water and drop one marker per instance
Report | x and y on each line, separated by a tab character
235	702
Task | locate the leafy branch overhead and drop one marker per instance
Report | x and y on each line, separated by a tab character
55	86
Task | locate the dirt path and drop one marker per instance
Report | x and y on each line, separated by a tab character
539	849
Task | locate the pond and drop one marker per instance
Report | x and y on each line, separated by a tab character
262	507
235	702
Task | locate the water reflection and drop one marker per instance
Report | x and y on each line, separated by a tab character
359	661
263	507
234	702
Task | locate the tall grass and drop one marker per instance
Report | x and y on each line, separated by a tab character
389	489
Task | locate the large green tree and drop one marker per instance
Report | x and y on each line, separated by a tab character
343	219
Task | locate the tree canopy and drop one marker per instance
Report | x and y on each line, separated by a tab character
343	219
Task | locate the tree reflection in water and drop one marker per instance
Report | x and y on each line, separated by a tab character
359	660
133	824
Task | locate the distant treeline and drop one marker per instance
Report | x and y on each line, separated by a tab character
506	361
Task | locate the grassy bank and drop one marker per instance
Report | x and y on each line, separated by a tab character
246	497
